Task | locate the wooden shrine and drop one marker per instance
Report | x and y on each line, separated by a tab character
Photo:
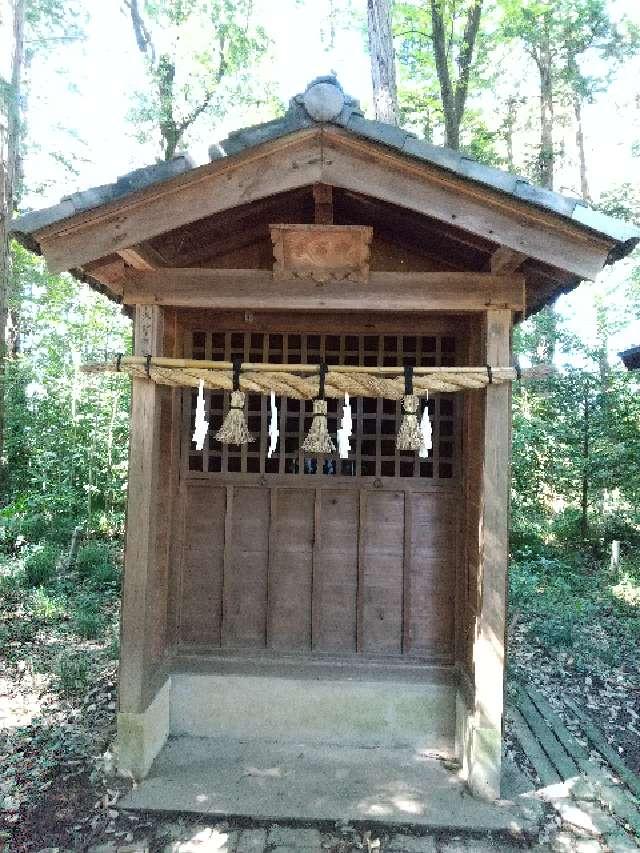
291	595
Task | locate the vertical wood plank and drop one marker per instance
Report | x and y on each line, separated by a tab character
382	574
429	615
246	566
407	574
203	565
489	643
142	521
335	571
290	574
362	513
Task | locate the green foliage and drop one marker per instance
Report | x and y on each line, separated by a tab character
201	58
72	671
40	566
572	608
419	91
87	621
45	606
94	562
65	437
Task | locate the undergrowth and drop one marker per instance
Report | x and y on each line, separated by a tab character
574	603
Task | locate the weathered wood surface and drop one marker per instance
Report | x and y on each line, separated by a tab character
333	157
321	252
505	261
537	714
533	750
355	164
285	164
385	291
141	546
546	735
316	568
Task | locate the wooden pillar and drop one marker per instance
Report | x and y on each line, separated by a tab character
136	672
485	735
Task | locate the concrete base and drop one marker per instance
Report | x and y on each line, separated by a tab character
333	711
288	781
479	751
140	737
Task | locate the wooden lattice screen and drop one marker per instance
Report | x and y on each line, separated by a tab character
373	451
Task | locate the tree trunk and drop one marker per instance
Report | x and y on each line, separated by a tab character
509	127
582	158
383	60
170	135
584	502
545	158
9	157
454	96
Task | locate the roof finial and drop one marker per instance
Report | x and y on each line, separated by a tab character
323	98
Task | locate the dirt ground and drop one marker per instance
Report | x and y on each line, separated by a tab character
57	785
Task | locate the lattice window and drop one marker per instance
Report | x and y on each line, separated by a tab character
376	422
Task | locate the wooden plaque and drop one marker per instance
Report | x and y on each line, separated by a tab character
321	252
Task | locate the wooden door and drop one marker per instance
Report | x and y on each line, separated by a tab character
327	556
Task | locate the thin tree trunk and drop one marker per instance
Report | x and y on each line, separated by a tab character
509	126
454	96
582	157
546	110
584	519
9	157
383	60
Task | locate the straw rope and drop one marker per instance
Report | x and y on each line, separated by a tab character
287	381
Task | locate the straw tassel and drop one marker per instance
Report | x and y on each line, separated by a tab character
318	440
234	429
409	435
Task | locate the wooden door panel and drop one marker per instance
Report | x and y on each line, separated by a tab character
202	566
430	585
335	576
290	568
246	563
382	553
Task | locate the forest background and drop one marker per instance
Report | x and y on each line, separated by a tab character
544	88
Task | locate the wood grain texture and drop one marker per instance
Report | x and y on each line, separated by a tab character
278	166
290	575
382	554
360	166
489	644
202	566
335	572
141	564
384	291
334	157
246	564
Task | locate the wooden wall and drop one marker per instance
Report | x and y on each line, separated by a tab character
328	569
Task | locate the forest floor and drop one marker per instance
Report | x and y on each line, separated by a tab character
58	791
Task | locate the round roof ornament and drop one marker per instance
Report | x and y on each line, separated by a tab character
324	100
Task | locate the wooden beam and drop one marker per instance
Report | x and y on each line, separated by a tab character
285	164
142	519
357	165
490	628
323	198
142	257
385	291
505	261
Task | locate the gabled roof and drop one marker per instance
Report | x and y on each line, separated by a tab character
325	108
324	102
